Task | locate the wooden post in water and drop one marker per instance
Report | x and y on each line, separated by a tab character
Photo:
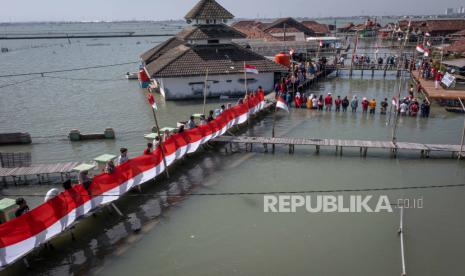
401	234
396	114
205	92
463	133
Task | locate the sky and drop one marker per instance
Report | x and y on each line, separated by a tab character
110	10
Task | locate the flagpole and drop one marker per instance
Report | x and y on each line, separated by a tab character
245	79
274	124
160	142
205	92
396	115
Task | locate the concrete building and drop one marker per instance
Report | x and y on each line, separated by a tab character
179	65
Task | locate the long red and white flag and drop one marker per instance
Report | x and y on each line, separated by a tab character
395	102
420	48
151	100
250	69
282	104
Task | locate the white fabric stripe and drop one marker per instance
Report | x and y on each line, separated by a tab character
15	251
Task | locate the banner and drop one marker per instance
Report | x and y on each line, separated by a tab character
21	235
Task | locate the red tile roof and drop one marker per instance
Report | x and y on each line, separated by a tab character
316	27
193	60
456	47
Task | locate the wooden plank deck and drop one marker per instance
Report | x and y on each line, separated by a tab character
437	94
364	145
39	169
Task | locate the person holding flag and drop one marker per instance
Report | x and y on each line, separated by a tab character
280	104
154	106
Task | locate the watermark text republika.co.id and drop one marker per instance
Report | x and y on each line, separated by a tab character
337	203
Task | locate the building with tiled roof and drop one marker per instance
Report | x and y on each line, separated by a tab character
318	28
456	48
179	65
435	27
282	29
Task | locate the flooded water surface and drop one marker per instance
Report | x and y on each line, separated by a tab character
230	234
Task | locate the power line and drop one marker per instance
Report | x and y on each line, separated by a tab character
82	79
274	192
18	82
68	70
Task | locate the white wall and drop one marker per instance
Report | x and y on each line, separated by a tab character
193	87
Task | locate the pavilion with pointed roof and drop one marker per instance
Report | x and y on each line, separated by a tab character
178	66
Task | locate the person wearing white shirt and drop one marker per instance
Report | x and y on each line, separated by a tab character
123	158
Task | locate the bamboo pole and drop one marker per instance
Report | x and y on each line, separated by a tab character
402	246
205	92
245	79
396	114
463	133
160	142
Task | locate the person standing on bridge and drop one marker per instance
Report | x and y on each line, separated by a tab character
328	102
354	104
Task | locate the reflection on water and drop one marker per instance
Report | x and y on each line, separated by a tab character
190	235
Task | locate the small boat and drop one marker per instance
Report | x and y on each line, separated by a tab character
455	110
132	76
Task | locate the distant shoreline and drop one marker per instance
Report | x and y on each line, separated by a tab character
431	16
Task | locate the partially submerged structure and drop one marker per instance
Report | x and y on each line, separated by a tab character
179	65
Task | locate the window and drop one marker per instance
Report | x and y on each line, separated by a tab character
228	80
213	41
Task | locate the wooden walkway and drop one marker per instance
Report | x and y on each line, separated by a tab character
427	86
37	170
363	145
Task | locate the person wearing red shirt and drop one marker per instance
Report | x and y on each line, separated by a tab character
260	91
365	105
437	79
338	103
149	148
329	102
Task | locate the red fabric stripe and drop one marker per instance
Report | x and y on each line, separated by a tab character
45	215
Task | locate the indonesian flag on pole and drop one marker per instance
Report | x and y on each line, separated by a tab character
428	43
321	43
151	100
282	104
426	53
291	51
420	48
427	34
394	101
250	69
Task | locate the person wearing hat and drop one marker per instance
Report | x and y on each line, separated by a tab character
123	158
23	207
328	102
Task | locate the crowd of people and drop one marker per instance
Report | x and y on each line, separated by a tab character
431	71
408	106
85	178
